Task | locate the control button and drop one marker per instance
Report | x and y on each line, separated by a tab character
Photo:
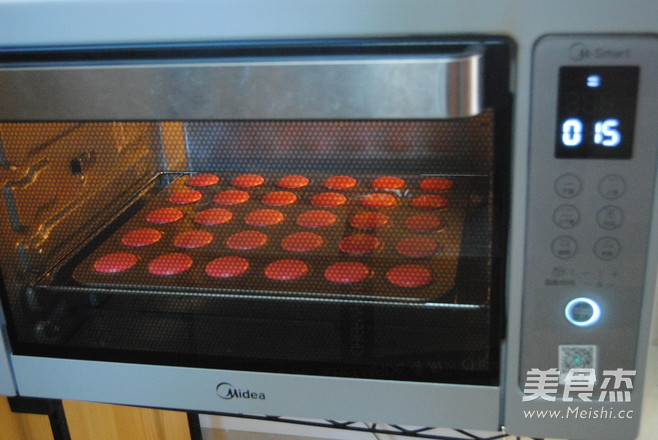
607	248
612	186
582	312
564	247
568	186
610	217
566	216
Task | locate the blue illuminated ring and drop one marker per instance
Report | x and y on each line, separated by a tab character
596	312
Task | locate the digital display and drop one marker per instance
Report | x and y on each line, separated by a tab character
596	112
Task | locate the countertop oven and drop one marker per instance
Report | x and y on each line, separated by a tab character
425	217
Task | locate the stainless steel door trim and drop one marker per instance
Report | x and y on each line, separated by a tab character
348	87
298	396
7	384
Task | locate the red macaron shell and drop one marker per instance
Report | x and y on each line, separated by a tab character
231	197
293	181
328	199
246	240
379	201
286	270
213	216
202	180
387	183
248	181
317	218
340	182
347	272
359	244
430	201
141	237
193	239
170	264
436	184
409	275
418	247
185	197
264	217
302	242
370	220
115	262
423	223
164	215
227	267
279	198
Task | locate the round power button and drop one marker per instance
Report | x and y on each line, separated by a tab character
582	312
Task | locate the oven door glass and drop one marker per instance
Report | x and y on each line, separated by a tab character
334	248
348	247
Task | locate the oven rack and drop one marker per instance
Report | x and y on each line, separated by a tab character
248	295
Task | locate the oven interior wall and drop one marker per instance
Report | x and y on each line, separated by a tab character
60	182
457	147
67	186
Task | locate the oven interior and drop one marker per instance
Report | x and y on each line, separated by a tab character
358	248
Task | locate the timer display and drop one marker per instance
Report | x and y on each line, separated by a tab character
596	112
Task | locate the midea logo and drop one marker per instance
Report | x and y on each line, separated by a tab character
227	392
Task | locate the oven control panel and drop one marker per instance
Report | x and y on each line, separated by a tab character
592	173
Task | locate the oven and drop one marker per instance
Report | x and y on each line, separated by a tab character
404	214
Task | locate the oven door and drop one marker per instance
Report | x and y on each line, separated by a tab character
265	228
7	387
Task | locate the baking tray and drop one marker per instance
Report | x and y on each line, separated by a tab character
409	272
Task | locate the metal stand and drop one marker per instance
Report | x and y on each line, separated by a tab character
401	431
49	407
195	426
55	412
